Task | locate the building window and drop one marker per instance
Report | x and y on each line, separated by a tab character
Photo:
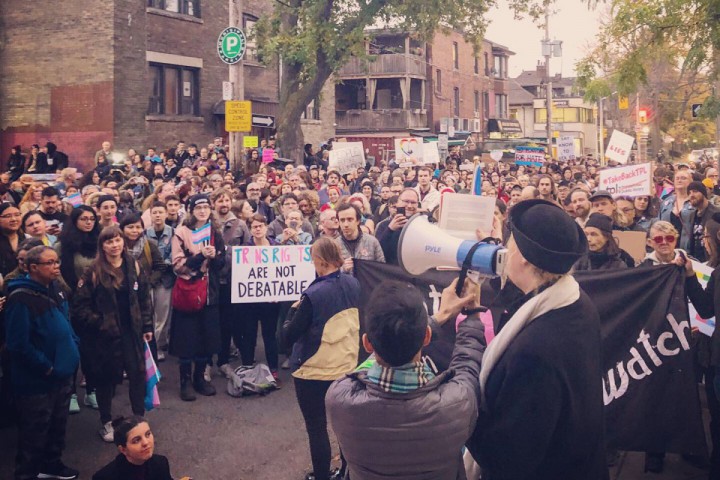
438	80
476	68
476	96
186	7
312	111
500	106
456	56
456	102
487	65
173	90
565	115
251	47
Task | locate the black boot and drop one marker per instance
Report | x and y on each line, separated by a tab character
186	393
199	384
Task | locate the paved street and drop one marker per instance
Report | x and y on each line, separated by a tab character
223	438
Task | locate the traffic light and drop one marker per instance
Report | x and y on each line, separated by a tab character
643	115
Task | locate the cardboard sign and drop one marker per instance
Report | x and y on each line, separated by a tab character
566	149
250	142
270	274
531	156
632	180
268	155
409	152
431	153
347	157
619	147
632	242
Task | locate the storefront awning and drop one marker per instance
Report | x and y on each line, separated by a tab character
503	125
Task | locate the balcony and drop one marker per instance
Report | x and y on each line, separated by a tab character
393	64
380	120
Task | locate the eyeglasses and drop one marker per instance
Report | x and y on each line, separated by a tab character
11	215
660	239
49	262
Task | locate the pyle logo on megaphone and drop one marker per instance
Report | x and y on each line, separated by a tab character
423	246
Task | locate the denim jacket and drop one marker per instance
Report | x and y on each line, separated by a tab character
686	216
164	243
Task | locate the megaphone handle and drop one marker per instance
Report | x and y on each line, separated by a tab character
467	263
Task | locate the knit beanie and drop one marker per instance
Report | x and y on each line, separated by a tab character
698	187
600	221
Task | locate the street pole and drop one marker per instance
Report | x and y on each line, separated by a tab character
601	134
548	83
237	80
638	132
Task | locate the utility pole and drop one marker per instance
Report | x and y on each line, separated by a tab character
601	134
547	51
237	80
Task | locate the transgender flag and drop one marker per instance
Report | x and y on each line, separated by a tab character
201	235
75	199
152	377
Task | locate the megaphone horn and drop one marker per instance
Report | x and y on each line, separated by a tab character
423	246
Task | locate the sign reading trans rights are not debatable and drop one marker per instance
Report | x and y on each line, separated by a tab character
270	274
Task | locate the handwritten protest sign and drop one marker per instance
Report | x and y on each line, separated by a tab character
268	154
619	147
632	180
566	149
250	141
409	152
532	156
346	157
270	274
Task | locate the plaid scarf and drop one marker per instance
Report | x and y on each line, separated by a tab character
403	379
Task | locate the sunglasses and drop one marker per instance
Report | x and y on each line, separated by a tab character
660	239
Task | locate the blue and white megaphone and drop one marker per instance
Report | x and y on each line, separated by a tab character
423	246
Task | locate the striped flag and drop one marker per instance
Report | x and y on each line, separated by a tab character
75	199
201	235
152	377
477	180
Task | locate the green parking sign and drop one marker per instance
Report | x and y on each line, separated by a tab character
231	45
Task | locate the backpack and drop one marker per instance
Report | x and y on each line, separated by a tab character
251	380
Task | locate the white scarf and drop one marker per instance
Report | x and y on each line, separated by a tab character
561	294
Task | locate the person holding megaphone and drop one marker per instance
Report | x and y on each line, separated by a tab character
541	412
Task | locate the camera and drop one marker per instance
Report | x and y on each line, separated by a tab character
293	225
401	211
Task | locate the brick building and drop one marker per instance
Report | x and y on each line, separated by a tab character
140	74
422	88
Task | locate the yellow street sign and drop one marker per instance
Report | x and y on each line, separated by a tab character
556	134
623	103
238	116
250	141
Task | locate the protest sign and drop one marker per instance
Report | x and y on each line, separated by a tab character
409	151
268	155
276	273
347	157
431	153
619	147
566	149
250	141
632	180
706	326
531	156
647	360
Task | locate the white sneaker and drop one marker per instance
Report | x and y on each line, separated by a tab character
91	400
207	375
107	432
227	370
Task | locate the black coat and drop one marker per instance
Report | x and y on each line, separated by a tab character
157	468
543	417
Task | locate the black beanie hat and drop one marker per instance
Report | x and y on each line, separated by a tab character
546	236
698	187
105	198
198	199
600	221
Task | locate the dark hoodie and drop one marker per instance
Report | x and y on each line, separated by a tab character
39	337
56	160
16	163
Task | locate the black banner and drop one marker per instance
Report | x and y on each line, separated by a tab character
649	385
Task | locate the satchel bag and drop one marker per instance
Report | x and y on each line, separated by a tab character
190	296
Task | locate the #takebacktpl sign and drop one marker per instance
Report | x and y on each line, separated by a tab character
278	273
619	147
346	157
630	180
238	116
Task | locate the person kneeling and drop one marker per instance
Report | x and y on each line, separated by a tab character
398	419
136	444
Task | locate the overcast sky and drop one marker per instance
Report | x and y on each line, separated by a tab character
573	23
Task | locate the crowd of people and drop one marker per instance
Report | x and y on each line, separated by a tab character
99	265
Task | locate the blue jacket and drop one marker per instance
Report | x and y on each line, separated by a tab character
39	337
325	329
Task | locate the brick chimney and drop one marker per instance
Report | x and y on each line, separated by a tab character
540	69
